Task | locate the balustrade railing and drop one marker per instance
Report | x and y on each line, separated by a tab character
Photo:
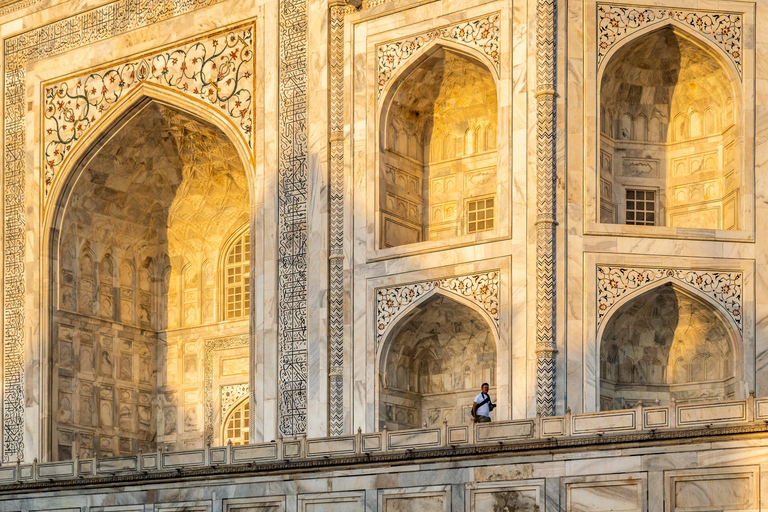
655	418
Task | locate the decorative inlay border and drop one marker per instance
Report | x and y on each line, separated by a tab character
336	296
482	33
217	70
210	346
482	289
616	22
55	38
230	395
293	228
725	288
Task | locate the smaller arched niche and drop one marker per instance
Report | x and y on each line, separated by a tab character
665	344
437	172
669	151
434	364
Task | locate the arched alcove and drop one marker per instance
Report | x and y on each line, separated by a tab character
666	343
433	364
138	223
671	136
438	151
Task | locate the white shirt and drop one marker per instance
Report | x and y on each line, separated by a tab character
485	409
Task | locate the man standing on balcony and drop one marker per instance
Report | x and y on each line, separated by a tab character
481	409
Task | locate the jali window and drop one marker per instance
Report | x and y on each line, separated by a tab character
237	424
237	278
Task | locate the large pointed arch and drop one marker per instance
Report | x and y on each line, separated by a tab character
130	107
400	358
629	367
420	196
690	178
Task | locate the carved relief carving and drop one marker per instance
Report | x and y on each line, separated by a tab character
482	289
212	345
216	70
615	22
481	33
725	288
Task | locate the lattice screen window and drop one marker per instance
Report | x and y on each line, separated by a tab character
236	426
237	278
641	207
480	214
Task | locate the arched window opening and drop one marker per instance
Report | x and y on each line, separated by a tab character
674	170
237	424
144	218
237	287
434	365
438	151
666	344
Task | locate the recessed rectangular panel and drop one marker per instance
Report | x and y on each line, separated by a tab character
503	430
416	499
417	438
603	422
254	452
712	489
331	446
333	502
702	414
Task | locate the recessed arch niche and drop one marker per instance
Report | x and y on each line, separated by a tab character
433	363
670	150
138	231
667	343
438	150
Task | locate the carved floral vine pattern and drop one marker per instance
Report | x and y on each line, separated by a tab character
230	395
614	23
483	289
482	33
217	70
615	282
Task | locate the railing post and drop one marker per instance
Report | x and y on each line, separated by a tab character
444	439
639	414
279	447
567	426
537	426
384	439
673	413
751	407
359	440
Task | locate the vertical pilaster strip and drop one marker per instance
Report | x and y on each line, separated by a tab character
292	214
546	177
336	295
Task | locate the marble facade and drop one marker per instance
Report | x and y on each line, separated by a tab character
427	195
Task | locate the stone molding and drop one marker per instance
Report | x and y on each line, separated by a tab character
481	34
391	302
617	22
724	288
216	70
20	50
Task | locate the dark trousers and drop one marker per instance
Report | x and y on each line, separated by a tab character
483	419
